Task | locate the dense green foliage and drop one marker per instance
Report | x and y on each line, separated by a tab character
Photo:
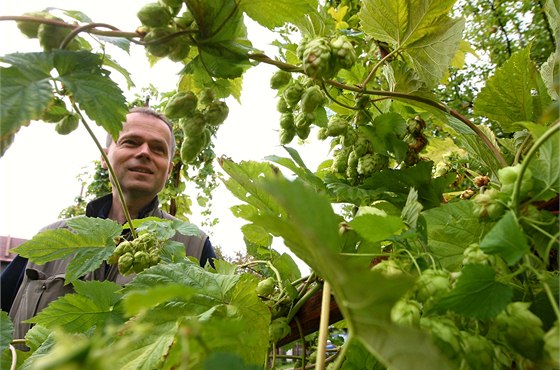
436	230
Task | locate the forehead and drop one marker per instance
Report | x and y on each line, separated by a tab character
146	125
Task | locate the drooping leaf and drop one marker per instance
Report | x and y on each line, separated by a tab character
271	14
92	89
139	300
92	243
420	29
476	294
451	229
36	336
506	239
77	312
513	94
311	232
256	235
478	151
6	331
25	91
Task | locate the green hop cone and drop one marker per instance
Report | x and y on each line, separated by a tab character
522	330
432	284
278	329
266	287
180	48
282	106
67	124
193	125
340	161
508	177
473	254
343	51
361	145
445	335
154	15
287	135
317	60
31	29
490	204
125	263
371	163
311	99
303	131
406	312
292	93
337	126
287	121
280	79
55	111
185	20
141	261
51	36
180	105
193	145
216	113
478	351
552	346
158	49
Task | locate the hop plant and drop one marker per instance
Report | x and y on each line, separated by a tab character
317	61
136	255
344	52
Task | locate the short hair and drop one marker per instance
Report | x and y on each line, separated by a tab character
154	113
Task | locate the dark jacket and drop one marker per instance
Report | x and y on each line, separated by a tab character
38	285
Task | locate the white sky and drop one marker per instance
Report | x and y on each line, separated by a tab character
38	172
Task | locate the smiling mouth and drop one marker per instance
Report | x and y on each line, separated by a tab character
141	170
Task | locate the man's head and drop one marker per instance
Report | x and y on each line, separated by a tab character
141	157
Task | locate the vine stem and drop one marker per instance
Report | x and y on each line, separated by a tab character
323	327
14	357
111	171
114	33
525	164
392	94
301	302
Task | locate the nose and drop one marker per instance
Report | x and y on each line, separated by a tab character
143	151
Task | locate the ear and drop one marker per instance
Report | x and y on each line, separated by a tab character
103	163
170	169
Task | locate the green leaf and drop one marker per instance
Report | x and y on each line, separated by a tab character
512	94
93	242
36	336
411	210
139	300
25	91
91	88
546	169
506	239
478	151
271	14
256	235
78	312
6	331
224	360
419	177
311	232
385	132
476	294
297	165
420	29
109	62
224	59
375	228
451	229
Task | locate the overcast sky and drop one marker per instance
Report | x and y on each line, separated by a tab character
39	170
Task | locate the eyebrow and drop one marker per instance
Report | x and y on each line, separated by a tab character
138	137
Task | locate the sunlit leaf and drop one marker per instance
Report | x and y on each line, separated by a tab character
511	95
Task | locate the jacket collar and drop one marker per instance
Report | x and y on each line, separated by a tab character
100	207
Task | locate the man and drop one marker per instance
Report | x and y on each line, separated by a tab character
142	161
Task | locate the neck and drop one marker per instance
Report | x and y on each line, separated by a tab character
134	207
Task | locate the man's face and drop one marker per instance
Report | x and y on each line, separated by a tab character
141	156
